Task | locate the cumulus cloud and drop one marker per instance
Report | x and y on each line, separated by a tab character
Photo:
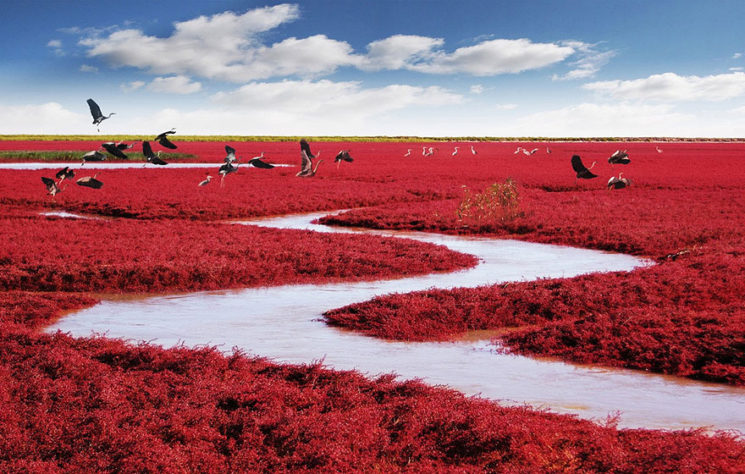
174	85
339	99
589	61
88	68
672	87
228	46
488	58
224	46
399	52
50	117
54	43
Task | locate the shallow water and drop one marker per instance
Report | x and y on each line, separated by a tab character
283	323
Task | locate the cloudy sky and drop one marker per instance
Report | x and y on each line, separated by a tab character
386	67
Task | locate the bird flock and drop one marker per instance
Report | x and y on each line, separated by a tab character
309	163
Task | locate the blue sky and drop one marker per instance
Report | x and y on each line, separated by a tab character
337	67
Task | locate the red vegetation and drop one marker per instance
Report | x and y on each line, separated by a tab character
135	256
97	404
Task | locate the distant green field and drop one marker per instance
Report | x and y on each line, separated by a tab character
74	155
277	138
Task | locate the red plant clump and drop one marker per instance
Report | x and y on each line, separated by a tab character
135	256
97	404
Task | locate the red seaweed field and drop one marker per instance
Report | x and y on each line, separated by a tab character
97	404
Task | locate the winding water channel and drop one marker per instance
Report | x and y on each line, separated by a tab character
283	323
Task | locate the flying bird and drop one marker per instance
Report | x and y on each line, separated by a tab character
306	166
98	117
582	171
619	158
52	187
306	148
164	141
257	162
64	173
151	157
230	154
90	182
618	182
206	181
124	146
94	155
343	155
114	150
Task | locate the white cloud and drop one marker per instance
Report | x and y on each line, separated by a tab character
399	52
477	89
605	120
488	58
339	99
174	85
505	106
672	87
589	62
736	69
55	43
227	46
50	117
737	56
87	68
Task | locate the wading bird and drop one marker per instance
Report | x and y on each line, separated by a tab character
64	173
455	152
52	187
518	150
408	152
306	148
164	141
230	155
206	181
473	150
114	150
228	167
530	152
618	182
90	182
343	155
151	157
548	150
98	117
306	166
94	155
124	146
582	171
619	158
258	163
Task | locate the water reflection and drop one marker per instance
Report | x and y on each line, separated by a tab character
283	323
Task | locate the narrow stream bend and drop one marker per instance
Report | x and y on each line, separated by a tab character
283	323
